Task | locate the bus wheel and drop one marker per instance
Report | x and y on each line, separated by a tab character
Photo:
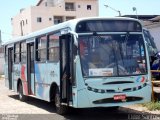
60	109
22	97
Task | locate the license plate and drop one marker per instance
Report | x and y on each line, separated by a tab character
119	97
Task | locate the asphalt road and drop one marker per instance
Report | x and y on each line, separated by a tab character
33	109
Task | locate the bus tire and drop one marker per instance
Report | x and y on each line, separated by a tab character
60	109
22	97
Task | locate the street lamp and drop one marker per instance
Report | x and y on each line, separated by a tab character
135	9
113	9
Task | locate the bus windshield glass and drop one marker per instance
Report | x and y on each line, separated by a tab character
112	55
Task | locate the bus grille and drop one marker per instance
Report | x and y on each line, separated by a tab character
114	91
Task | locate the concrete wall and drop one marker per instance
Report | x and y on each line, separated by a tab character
44	13
1	64
21	23
1	61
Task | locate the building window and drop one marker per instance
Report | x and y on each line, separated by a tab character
69	6
88	7
23	52
58	19
53	47
50	19
79	6
69	18
41	48
26	21
39	19
16	53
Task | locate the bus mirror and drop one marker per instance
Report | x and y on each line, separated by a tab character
149	47
75	36
147	44
75	41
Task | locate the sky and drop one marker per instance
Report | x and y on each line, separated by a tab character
144	7
9	8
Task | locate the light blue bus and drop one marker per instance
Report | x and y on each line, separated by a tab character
81	63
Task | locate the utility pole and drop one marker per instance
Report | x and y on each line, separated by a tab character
119	12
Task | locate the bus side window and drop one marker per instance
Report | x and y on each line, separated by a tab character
53	48
41	45
23	52
17	53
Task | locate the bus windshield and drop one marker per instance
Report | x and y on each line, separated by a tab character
112	55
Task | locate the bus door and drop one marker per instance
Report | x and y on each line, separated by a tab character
10	66
66	68
30	68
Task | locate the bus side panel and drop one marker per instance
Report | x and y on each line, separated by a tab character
45	75
41	86
53	74
16	75
6	75
23	77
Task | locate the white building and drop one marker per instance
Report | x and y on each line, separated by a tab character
49	12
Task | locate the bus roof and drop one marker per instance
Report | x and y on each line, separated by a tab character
67	24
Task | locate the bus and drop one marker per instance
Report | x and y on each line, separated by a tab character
81	63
